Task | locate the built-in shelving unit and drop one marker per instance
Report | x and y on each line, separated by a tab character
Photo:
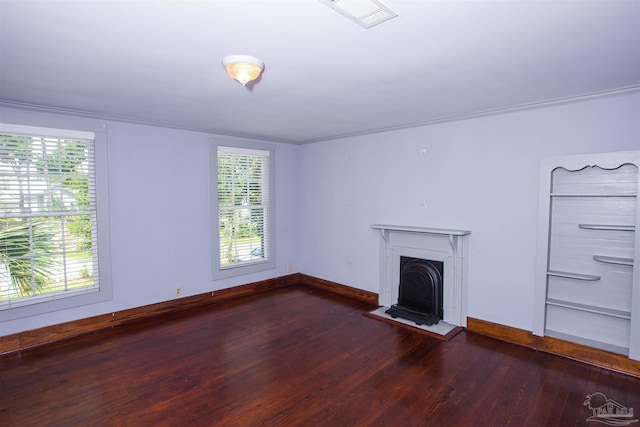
588	285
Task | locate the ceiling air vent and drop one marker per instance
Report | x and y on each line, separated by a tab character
365	12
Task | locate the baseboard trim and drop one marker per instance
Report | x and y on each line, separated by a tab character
348	291
579	352
49	334
62	331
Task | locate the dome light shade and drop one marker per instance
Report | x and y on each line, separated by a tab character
243	68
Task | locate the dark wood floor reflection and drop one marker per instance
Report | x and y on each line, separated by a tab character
295	356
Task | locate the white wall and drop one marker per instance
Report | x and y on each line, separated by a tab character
160	217
479	174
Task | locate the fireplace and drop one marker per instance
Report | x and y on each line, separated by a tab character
433	255
420	291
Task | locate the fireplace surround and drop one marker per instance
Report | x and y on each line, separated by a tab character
448	246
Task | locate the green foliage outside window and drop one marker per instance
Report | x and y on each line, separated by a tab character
46	236
241	210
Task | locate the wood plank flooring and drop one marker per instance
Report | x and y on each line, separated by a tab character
295	356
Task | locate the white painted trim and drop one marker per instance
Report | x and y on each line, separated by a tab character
425	230
222	132
46	132
447	246
219	272
485	113
576	162
105	291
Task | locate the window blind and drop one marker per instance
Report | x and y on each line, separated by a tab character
243	206
48	216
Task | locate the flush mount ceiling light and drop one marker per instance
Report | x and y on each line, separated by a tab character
364	12
243	68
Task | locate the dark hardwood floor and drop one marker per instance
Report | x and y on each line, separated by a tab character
295	356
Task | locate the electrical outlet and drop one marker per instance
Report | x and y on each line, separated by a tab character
289	268
178	290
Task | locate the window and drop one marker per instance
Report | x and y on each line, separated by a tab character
243	192
48	221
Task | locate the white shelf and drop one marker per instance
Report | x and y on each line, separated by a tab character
592	195
613	260
571	275
590	308
616	227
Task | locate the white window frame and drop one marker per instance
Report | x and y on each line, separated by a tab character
41	304
223	272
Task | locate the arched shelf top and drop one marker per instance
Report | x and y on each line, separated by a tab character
607	167
579	162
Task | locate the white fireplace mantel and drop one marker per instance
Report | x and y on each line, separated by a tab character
426	230
448	246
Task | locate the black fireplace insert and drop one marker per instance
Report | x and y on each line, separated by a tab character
420	292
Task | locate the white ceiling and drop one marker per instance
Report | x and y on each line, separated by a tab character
325	76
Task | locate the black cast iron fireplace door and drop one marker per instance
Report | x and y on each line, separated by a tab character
420	292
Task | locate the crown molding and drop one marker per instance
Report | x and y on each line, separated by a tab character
438	120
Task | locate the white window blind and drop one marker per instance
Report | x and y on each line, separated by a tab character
48	234
243	206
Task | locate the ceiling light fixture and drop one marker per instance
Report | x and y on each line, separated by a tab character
243	68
